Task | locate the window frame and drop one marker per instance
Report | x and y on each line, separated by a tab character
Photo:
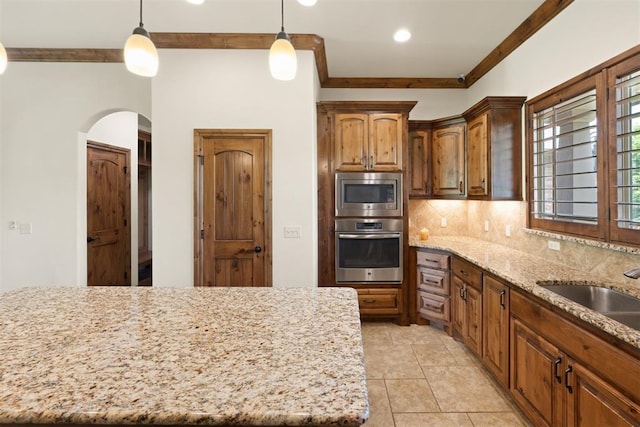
603	78
541	103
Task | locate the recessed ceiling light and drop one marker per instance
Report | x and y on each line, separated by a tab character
307	2
402	35
196	1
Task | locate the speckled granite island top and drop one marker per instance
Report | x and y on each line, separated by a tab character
207	356
526	271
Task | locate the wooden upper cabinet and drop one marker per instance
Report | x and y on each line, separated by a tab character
385	142
351	141
419	163
448	161
494	148
368	141
477	170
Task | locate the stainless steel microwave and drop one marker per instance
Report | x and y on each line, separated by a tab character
376	194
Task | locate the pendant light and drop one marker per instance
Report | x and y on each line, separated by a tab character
282	56
140	54
3	58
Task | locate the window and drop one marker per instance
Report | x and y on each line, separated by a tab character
583	154
563	168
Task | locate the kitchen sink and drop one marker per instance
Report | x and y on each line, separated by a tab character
616	305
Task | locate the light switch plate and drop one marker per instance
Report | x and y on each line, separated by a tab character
25	228
292	231
486	225
507	231
443	222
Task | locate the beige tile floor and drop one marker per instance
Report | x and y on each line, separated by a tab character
418	376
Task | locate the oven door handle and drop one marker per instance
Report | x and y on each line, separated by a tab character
369	236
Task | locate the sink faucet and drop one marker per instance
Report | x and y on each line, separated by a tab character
634	273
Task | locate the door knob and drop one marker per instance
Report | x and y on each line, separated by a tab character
257	249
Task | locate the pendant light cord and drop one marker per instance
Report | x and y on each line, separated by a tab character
141	24
281	11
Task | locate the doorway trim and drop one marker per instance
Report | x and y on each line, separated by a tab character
199	135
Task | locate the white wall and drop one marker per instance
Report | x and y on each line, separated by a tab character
47	110
233	90
120	130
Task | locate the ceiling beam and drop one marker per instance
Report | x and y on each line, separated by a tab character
538	19
541	16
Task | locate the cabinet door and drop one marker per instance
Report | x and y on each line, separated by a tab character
593	402
351	134
457	299
385	142
448	158
419	163
536	376
495	343
478	156
473	320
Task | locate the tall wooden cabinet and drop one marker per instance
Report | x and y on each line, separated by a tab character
419	167
494	148
495	323
361	136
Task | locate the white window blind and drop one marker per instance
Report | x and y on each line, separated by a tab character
565	175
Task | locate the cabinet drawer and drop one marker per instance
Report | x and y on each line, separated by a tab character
435	281
433	260
434	307
379	301
468	272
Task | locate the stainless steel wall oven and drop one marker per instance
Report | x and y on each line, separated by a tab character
368	250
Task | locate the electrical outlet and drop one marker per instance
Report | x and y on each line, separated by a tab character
553	245
486	225
507	231
292	231
443	222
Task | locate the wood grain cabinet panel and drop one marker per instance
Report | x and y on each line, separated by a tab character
351	141
433	287
448	161
467	303
419	163
495	343
494	148
380	301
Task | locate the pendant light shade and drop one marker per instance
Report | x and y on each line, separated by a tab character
283	62
140	54
3	59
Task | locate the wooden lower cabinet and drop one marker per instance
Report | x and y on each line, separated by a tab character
562	375
380	302
495	324
467	303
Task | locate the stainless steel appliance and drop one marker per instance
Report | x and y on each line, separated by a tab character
376	194
368	250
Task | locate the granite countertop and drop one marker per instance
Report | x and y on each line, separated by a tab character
207	356
525	271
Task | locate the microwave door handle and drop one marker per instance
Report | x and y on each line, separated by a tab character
370	236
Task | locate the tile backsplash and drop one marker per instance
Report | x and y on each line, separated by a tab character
467	218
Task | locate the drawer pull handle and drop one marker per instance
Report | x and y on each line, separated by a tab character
556	374
369	301
433	306
464	273
566	379
435	282
502	294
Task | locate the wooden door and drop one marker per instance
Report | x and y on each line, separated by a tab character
108	215
591	402
385	142
448	161
495	324
473	319
419	163
351	132
235	201
536	376
478	156
459	308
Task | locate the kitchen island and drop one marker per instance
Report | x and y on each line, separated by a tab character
206	356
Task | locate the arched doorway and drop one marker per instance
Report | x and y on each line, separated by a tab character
129	133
